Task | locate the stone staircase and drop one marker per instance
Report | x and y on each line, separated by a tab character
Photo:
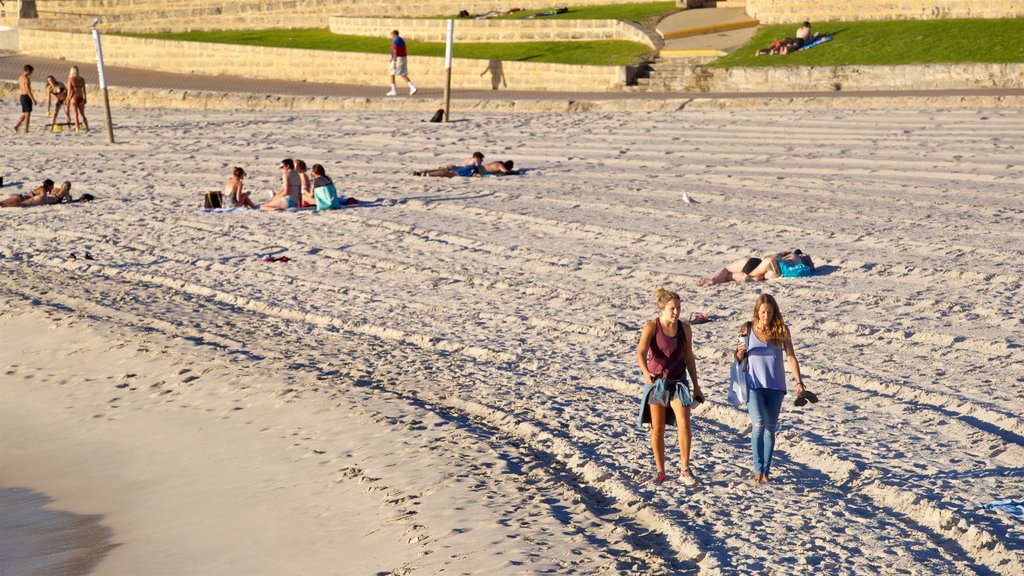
670	75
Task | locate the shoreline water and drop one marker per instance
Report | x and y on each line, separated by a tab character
39	540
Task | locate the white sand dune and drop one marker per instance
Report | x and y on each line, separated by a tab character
443	378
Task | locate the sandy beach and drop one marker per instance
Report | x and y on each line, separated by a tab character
442	379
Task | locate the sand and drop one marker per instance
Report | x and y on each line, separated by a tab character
442	379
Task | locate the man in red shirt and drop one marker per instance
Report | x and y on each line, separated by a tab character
398	64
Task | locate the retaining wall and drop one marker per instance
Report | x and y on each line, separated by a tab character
146	16
497	30
858	78
315	65
788	11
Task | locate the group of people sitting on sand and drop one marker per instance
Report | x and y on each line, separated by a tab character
474	166
297	190
792	264
44	195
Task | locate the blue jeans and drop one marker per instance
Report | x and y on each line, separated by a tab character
764	407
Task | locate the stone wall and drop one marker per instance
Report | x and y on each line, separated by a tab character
145	16
314	65
858	78
789	11
497	30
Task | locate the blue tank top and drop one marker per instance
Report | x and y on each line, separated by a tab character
765	368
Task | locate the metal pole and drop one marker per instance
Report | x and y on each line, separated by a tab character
103	82
448	68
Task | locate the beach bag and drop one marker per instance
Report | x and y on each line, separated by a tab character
212	200
438	116
798	270
660	394
739	391
326	197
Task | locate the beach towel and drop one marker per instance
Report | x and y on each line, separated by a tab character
326	197
1015	507
816	42
236	209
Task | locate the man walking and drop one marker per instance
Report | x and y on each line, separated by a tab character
398	63
27	98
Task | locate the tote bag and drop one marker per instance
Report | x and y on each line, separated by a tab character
739	392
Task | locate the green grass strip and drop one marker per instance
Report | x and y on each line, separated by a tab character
597	52
630	12
891	43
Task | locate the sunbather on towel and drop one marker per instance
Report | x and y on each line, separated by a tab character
499	168
41	196
767	268
472	167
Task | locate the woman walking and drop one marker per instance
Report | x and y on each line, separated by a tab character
769	340
665	352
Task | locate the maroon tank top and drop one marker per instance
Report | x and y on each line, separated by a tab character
665	354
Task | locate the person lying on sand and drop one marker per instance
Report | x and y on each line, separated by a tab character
41	196
783	264
472	167
499	168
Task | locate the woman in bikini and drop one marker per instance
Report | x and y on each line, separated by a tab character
42	196
307	190
76	98
56	91
744	269
234	191
290	194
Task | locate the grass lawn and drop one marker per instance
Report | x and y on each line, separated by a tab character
598	52
891	42
631	12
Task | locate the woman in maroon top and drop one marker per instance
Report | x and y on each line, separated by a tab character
666	351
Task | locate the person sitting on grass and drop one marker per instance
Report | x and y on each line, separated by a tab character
780	46
472	167
41	196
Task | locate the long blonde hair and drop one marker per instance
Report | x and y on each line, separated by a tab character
776	329
74	72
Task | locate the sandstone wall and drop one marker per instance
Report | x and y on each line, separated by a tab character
496	30
858	78
314	65
788	11
146	16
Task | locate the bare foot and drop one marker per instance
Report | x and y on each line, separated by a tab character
704	282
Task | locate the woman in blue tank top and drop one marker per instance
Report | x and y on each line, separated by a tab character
766	377
665	352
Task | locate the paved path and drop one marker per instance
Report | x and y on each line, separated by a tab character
11	65
715	23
